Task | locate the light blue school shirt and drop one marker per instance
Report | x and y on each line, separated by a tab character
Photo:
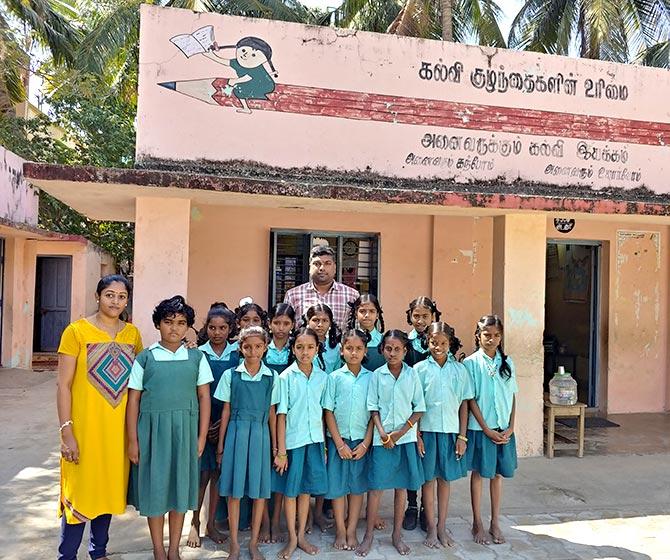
444	389
162	354
225	355
415	341
300	400
493	393
375	338
275	356
331	358
395	400
346	396
223	389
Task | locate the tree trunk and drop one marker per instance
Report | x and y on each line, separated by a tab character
447	20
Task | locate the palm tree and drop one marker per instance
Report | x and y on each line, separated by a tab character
22	22
450	20
615	30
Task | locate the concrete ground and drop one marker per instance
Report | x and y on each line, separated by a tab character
605	506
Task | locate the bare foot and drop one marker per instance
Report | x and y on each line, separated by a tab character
234	552
264	537
254	552
193	540
159	554
496	534
276	535
215	535
431	538
363	548
173	555
323	522
479	535
340	542
352	541
380	524
445	537
288	550
400	545
308	547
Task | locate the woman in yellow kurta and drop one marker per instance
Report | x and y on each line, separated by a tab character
95	358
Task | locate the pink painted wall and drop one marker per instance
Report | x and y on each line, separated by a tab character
88	263
356	101
635	303
18	199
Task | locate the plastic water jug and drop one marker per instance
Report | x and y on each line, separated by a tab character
563	388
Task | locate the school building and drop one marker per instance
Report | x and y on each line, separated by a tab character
47	279
529	185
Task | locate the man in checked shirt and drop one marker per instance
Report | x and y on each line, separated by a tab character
322	287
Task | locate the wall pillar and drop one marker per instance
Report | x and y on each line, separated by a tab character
518	297
162	232
18	303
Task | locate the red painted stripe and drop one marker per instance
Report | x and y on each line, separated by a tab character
468	116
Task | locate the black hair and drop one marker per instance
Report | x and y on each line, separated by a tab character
446	329
322	251
248	332
351	333
281	309
218	309
107	281
251	306
360	300
176	305
394	333
494	321
257	44
426	302
309	332
334	334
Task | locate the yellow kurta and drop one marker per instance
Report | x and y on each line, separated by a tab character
99	482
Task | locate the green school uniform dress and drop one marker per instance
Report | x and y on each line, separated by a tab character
168	473
276	359
395	400
246	464
494	395
346	397
218	364
416	352
373	357
444	389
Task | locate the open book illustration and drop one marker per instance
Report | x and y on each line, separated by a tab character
195	43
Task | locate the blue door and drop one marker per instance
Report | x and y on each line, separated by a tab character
53	284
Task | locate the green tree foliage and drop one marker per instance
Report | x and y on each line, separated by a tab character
97	130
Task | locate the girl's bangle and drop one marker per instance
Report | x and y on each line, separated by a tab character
219	453
462	438
388	439
341	447
65	425
282	455
410	424
364	445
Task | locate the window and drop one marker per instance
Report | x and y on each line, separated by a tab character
357	260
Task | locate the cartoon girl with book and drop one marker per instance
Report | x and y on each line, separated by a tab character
253	80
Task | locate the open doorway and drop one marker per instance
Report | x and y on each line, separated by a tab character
572	332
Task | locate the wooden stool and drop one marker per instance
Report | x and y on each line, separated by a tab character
553	411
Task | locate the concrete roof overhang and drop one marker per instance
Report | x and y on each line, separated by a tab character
109	194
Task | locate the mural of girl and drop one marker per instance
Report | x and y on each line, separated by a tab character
253	81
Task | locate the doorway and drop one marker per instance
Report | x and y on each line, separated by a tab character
572	322
53	284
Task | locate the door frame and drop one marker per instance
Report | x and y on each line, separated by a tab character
596	379
37	319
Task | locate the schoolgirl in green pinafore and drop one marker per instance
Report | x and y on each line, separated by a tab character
249	392
281	322
167	422
366	314
214	338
